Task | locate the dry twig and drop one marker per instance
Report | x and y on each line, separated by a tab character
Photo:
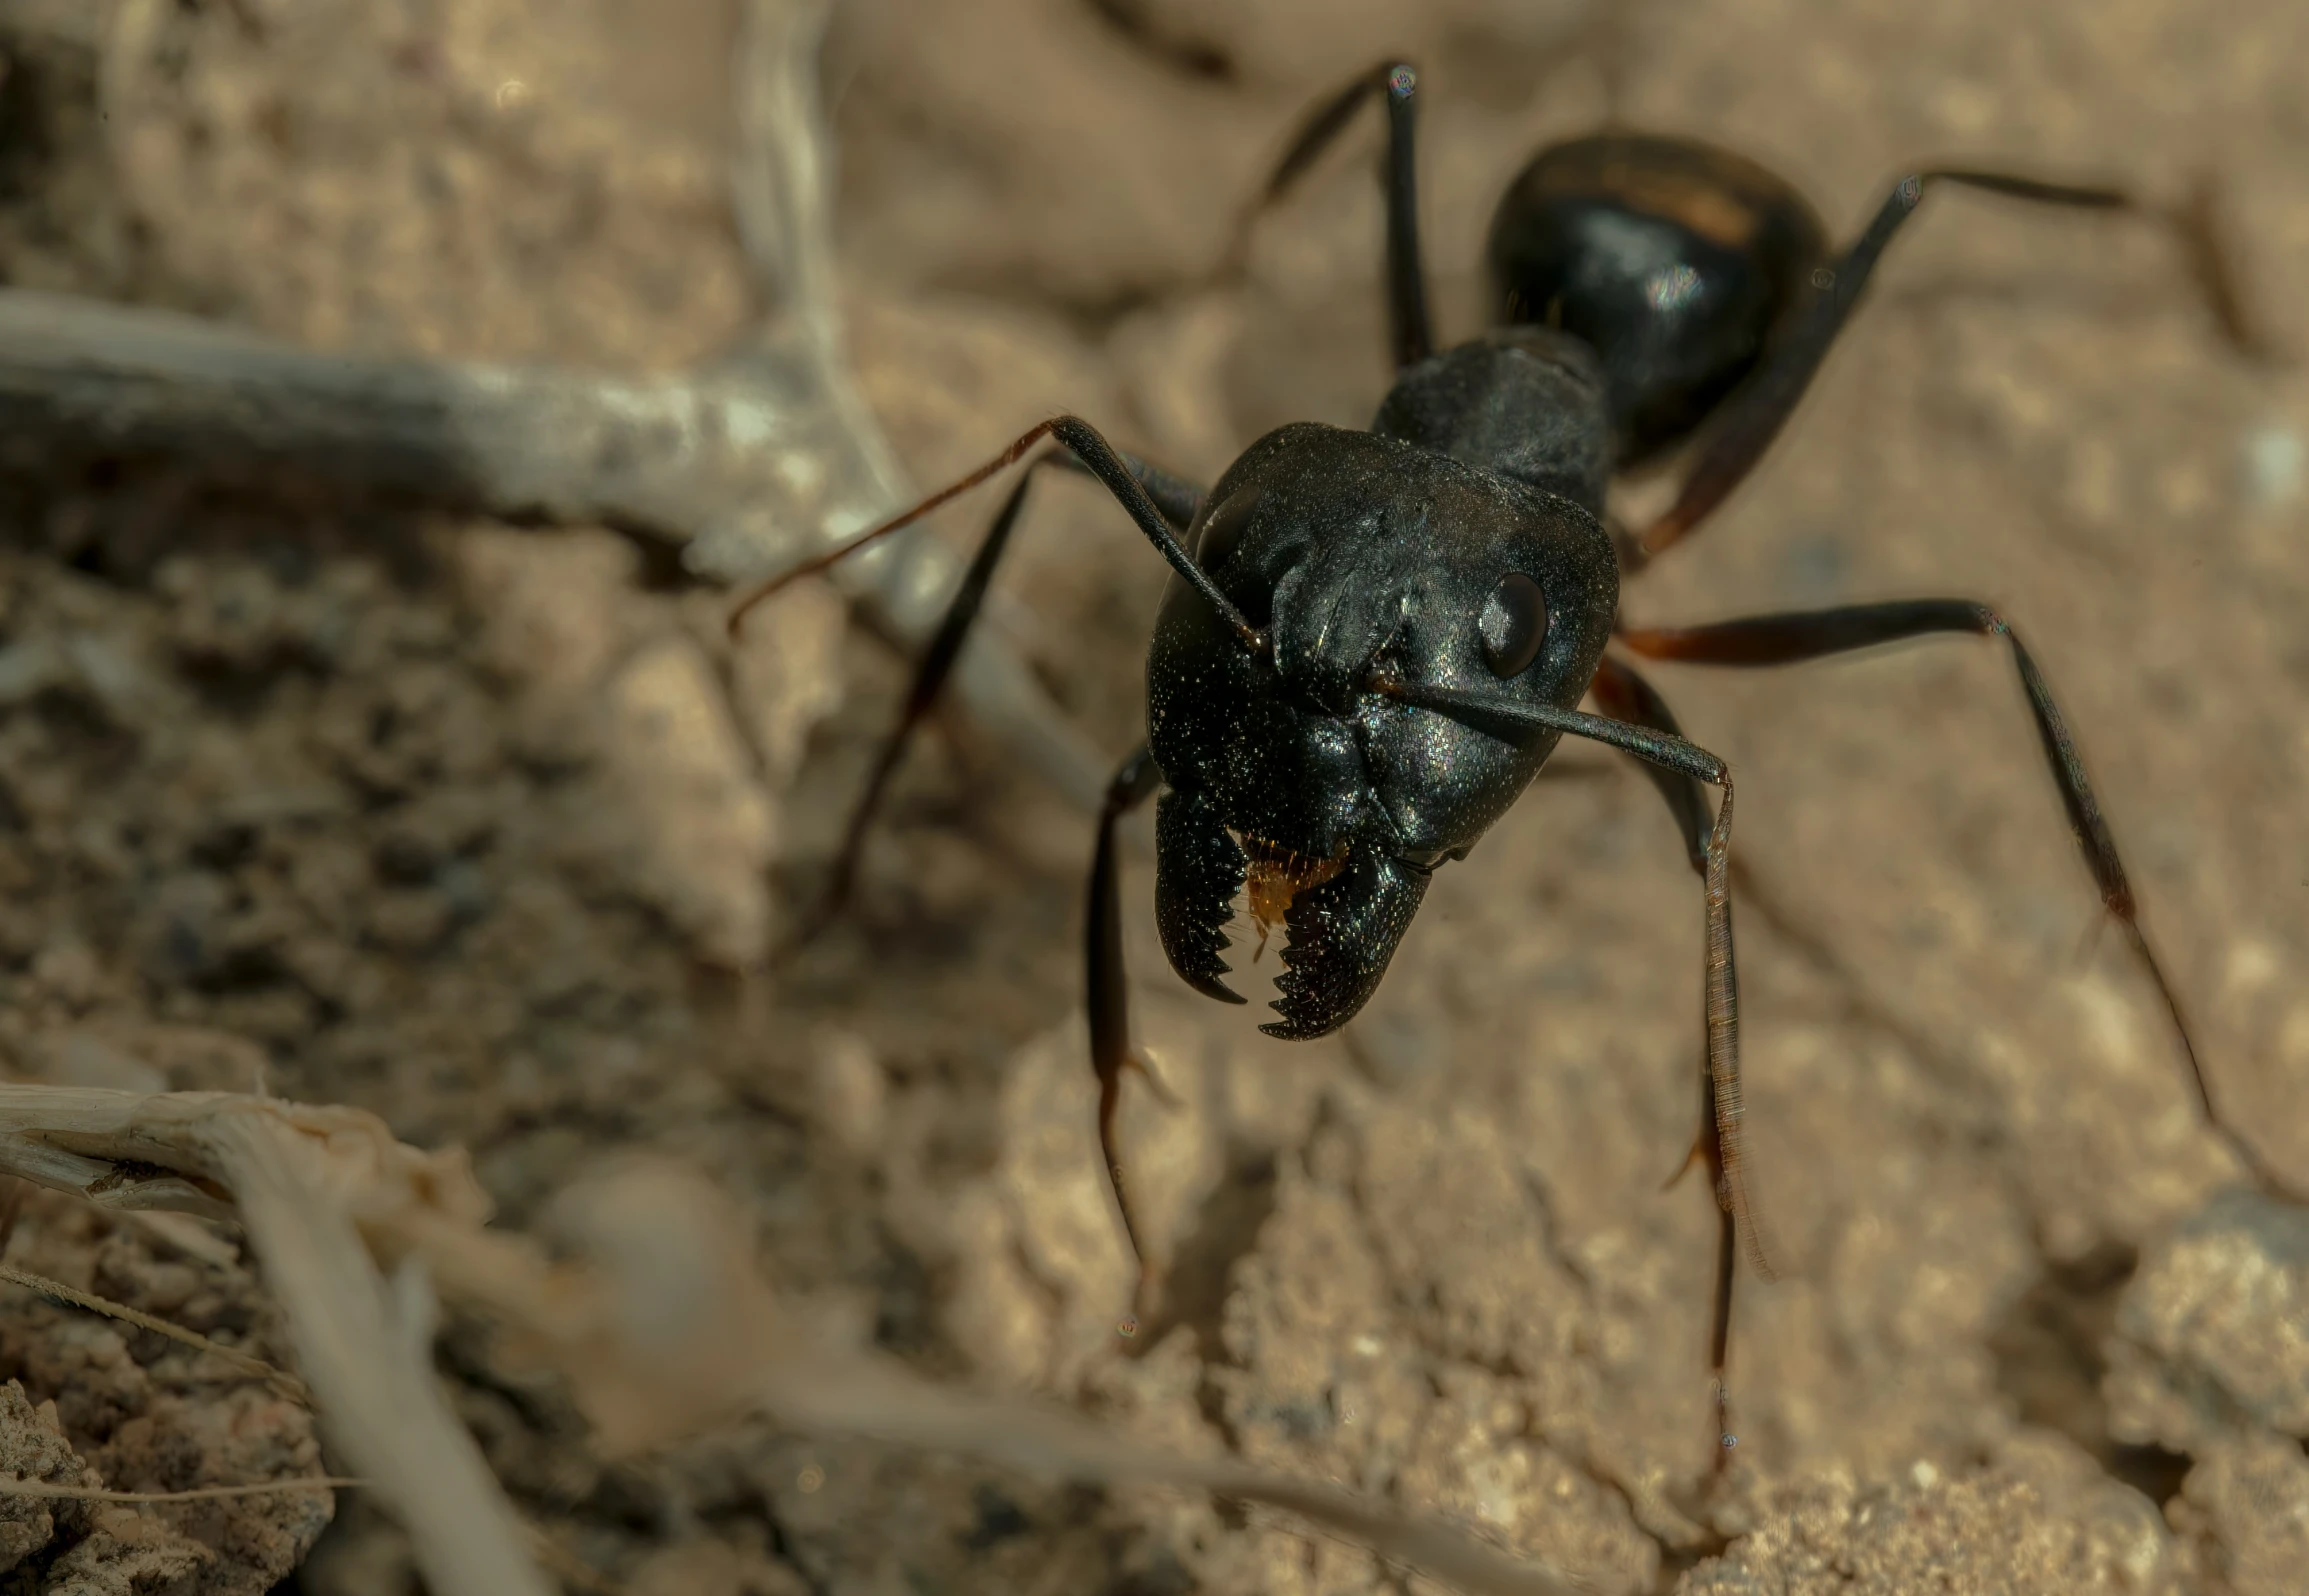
750	465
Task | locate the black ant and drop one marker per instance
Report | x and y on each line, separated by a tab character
1375	639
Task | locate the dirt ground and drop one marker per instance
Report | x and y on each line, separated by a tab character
463	823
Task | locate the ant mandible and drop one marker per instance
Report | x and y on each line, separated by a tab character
1375	639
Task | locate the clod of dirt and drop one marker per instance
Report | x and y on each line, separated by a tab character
32	1447
2212	1337
693	770
1991	1533
785	671
103	1405
706	827
2243	1516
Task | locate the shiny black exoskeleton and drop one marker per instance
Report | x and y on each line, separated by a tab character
1640	281
1674	261
1419	547
1375	639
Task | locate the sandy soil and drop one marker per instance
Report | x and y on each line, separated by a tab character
455	821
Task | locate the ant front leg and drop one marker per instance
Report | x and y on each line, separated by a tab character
1786	638
1723	1141
1411	333
1626	696
1755	413
1175	499
1158	506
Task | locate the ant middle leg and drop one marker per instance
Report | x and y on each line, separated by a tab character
1411	332
1754	414
1786	638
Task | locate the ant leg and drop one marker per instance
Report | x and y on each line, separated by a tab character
1179	500
1121	477
1626	696
1413	338
1725	1143
1175	499
1785	638
1108	997
930	675
1754	415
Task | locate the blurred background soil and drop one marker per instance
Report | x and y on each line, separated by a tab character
465	823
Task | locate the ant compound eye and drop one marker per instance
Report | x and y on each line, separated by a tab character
1223	528
1514	624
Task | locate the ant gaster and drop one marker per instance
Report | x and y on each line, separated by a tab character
1375	639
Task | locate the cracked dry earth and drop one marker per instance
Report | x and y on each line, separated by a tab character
456	822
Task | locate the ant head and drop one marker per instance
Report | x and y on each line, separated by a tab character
1363	560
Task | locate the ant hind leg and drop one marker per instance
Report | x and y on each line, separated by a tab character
1781	639
1756	412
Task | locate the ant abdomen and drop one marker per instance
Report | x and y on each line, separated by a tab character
1675	261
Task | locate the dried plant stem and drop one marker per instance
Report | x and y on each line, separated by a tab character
280	1379
199	1493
